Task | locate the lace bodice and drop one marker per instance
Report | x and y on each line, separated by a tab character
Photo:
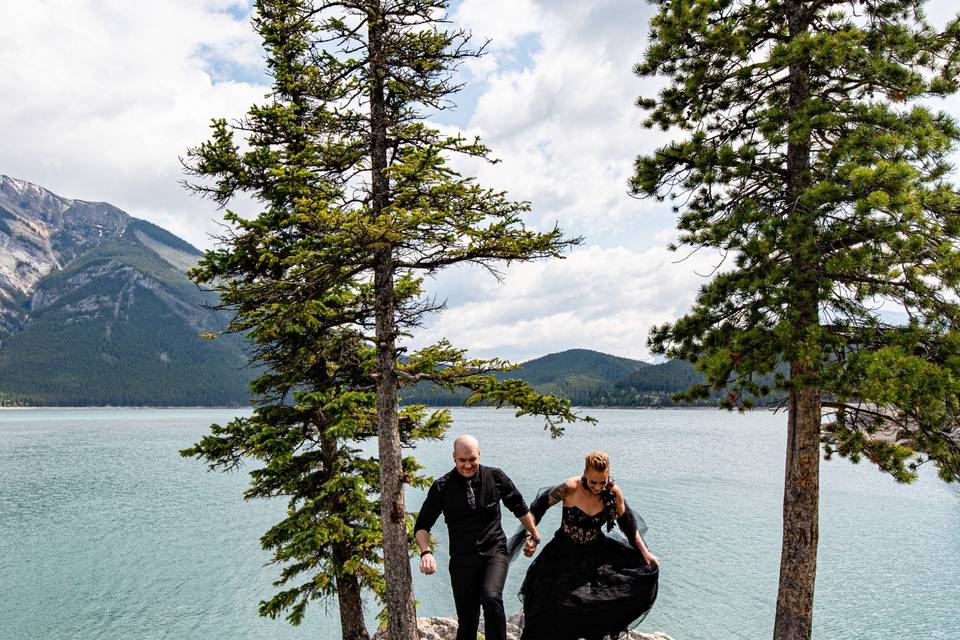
579	527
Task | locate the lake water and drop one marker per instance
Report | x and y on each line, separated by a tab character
107	534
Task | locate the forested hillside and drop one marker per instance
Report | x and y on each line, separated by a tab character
96	309
588	378
119	323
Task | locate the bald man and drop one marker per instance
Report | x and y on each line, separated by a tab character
469	498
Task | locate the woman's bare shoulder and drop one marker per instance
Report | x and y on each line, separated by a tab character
564	490
568	486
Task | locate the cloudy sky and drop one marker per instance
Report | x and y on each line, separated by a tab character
100	98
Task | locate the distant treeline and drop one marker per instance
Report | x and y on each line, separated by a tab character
593	379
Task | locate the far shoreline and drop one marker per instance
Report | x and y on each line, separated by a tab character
116	406
454	406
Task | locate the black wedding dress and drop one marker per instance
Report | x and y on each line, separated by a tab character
585	584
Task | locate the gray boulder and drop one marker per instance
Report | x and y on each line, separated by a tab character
446	629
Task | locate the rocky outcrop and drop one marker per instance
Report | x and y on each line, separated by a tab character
446	629
50	229
430	629
41	232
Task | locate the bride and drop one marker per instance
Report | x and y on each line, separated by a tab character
585	584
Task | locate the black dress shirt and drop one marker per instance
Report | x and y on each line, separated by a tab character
472	531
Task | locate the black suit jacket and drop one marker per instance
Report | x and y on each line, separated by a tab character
472	531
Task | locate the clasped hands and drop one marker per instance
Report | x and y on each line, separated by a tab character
530	546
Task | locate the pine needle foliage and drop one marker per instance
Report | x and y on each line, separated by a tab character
808	154
360	202
877	221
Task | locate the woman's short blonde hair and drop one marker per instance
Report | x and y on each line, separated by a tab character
597	461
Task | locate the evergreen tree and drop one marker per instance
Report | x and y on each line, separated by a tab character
312	409
804	162
361	204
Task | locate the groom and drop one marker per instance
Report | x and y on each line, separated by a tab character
469	498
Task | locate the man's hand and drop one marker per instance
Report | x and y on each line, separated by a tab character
427	564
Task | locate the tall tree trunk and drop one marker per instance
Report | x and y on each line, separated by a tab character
349	594
798	558
349	597
401	613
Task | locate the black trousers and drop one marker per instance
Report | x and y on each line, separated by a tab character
477	582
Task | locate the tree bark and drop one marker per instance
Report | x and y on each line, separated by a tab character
349	597
798	558
401	613
349	593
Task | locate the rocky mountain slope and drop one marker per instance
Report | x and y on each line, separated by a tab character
96	308
41	232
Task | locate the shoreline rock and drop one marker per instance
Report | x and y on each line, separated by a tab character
440	628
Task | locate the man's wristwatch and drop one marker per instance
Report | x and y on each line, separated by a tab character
423	553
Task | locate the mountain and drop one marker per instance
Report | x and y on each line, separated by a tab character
589	378
575	370
593	379
41	232
582	375
96	309
601	368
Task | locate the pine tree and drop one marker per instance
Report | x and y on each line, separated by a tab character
361	204
312	411
809	162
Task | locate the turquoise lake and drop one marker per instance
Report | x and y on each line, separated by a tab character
107	534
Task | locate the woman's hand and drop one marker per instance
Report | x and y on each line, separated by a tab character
652	559
530	547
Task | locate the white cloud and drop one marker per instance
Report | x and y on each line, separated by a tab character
597	298
502	22
499	24
564	122
565	125
101	98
